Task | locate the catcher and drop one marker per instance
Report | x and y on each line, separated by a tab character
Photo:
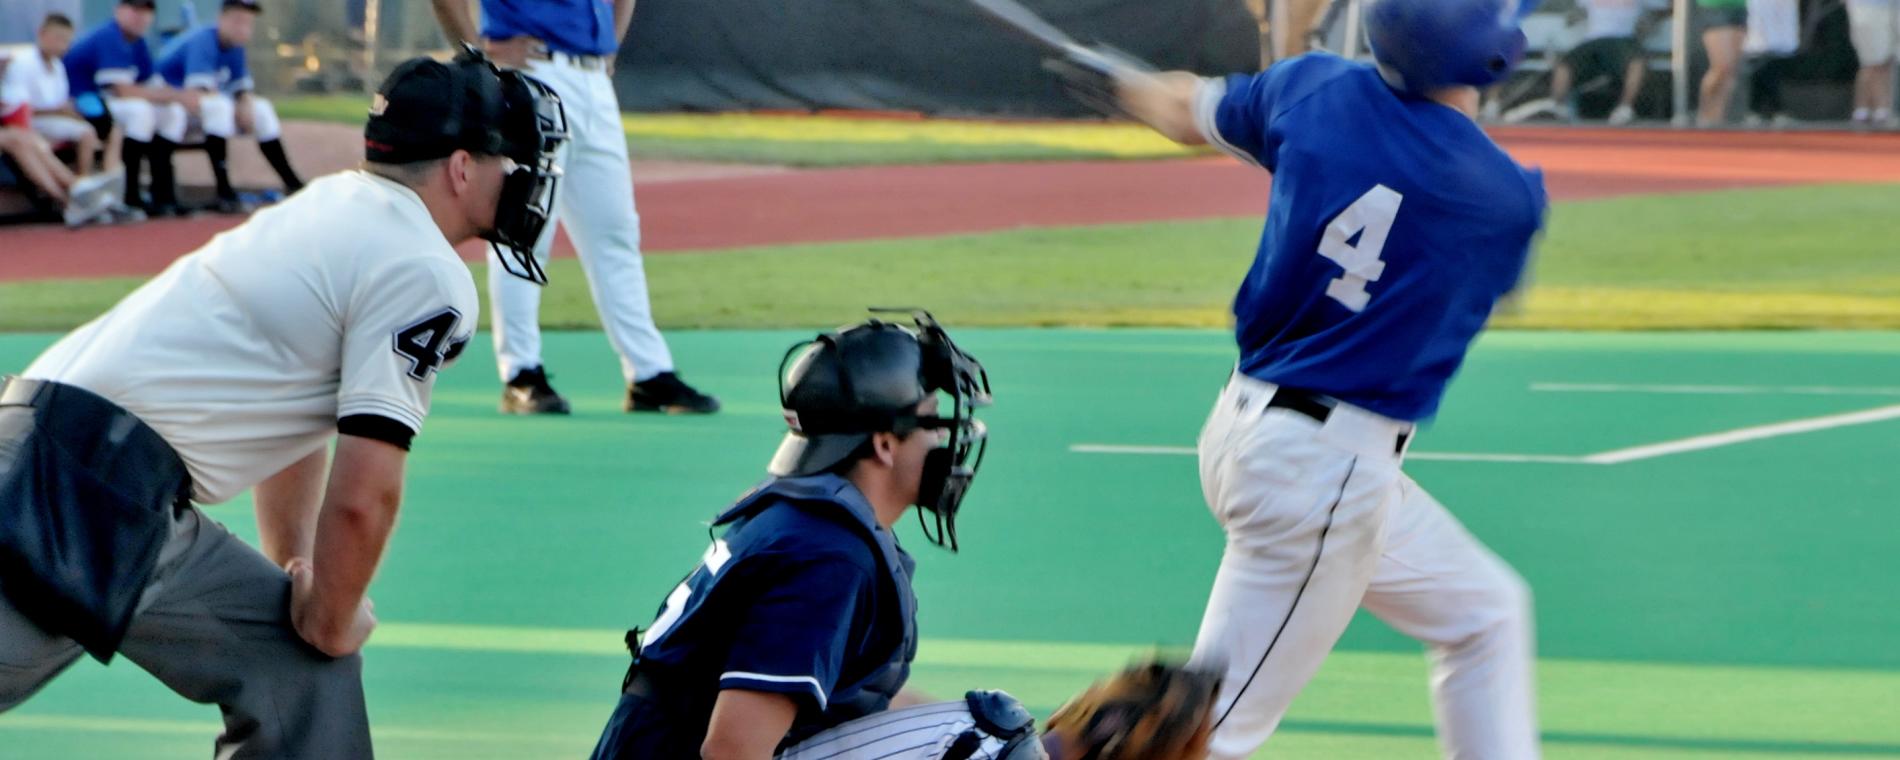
794	636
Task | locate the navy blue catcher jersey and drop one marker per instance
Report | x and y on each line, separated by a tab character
1393	227
804	595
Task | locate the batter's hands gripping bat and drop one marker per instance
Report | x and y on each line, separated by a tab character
1088	73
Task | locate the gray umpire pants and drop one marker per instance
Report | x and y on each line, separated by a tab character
214	626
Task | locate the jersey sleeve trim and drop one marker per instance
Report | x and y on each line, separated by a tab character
735	679
377	428
379	406
1207	100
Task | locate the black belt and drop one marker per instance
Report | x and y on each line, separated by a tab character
540	51
123	431
1318	407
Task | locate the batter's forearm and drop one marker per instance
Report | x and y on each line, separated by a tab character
287	504
1163	101
458	22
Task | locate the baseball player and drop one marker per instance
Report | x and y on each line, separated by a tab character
211	61
1393	228
570	45
321	321
112	78
800	617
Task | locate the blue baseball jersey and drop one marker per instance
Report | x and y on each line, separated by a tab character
575	27
105	56
804	594
198	59
1394	226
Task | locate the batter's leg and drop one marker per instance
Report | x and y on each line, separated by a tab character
1303	522
1438	584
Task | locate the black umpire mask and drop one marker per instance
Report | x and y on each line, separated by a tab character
869	378
427	110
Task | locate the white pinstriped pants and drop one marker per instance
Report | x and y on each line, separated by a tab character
921	732
1320	521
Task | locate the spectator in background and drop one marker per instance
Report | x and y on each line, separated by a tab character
1875	28
1611	48
210	60
1725	27
37	83
1774	36
113	80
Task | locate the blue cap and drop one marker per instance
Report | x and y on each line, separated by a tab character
1423	45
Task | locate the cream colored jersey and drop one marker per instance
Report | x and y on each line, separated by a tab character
343	300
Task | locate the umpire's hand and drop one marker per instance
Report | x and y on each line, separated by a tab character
337	630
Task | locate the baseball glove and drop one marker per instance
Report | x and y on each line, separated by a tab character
1150	711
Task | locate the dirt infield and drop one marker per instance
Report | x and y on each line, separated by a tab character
688	207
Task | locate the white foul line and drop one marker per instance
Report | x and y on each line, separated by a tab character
1721	390
1614	456
1742	435
1429	456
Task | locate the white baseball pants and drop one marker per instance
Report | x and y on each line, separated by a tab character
594	201
1320	521
142	120
217	117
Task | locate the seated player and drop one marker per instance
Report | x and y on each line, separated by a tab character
111	77
210	60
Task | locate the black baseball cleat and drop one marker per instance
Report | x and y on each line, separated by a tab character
529	393
665	392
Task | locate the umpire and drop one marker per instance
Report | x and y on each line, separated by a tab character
324	319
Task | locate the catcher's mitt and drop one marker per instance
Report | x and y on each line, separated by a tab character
1150	711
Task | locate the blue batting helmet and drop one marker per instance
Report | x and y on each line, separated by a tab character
1422	45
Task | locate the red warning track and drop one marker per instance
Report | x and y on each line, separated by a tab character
683	209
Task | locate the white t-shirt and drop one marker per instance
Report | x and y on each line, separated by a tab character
33	81
343	300
1615	18
1774	27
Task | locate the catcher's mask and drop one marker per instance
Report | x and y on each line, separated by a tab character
846	385
427	109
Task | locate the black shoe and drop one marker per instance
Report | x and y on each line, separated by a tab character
231	206
665	392
166	211
529	393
